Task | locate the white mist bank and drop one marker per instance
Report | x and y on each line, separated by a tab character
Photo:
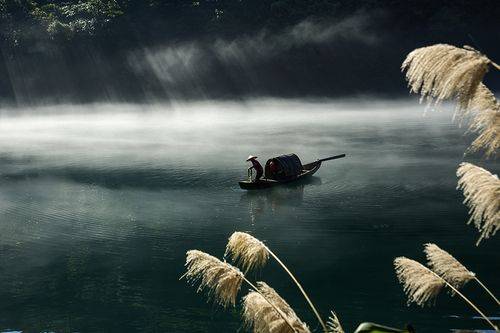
270	106
96	169
177	123
127	135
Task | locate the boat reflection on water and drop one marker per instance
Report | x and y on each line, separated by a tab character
272	200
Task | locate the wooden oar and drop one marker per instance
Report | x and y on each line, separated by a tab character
331	158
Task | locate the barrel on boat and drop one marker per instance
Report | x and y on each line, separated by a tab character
289	166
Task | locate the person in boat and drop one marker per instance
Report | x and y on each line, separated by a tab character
256	166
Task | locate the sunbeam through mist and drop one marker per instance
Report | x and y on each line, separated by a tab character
195	66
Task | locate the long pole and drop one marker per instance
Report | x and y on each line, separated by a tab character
300	288
331	158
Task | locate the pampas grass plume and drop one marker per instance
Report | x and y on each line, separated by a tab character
484	111
220	280
482	196
250	253
419	283
247	251
260	315
440	72
422	285
445	265
445	72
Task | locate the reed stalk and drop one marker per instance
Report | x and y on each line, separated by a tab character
422	285
313	308
468	301
487	290
221	280
252	253
450	269
280	313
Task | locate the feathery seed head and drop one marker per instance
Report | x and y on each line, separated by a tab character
487	123
219	279
445	265
440	72
483	111
333	324
444	72
247	251
419	283
263	317
482	196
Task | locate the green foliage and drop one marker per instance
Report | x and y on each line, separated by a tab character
56	18
154	20
81	17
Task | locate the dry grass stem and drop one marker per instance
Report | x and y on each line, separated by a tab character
220	280
441	72
422	285
333	324
482	196
445	265
263	317
247	251
250	253
419	283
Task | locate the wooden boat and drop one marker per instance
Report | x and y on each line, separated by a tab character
307	171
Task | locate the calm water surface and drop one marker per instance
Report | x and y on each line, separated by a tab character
99	203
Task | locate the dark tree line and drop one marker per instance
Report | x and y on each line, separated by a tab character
76	48
156	20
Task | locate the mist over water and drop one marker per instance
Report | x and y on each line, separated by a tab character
100	202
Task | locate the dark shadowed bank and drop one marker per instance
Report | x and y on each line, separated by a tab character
137	51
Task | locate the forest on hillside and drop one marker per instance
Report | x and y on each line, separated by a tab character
319	44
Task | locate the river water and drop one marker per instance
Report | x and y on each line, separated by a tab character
99	203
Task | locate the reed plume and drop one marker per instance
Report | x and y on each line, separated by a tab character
333	324
247	251
252	253
441	72
419	283
422	285
444	72
482	196
220	280
482	100
266	312
487	125
446	266
450	269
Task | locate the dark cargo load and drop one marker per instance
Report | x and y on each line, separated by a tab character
288	166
